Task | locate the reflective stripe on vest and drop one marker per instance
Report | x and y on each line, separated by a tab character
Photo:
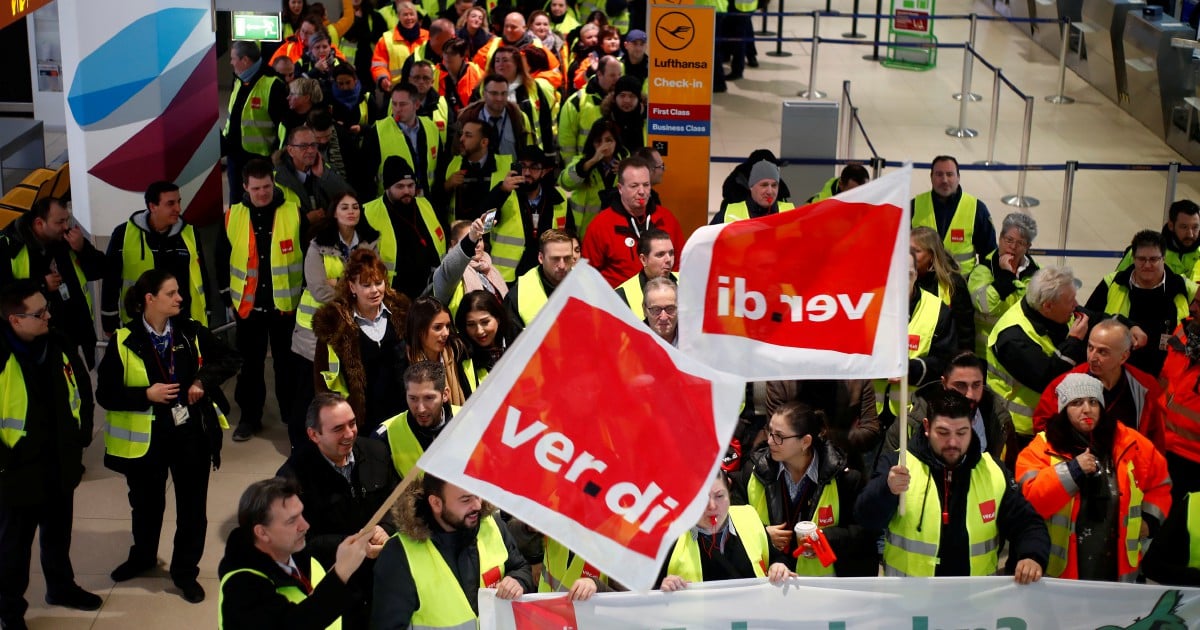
685	556
292	593
738	211
911	544
127	433
135	262
259	134
531	296
558	576
442	601
508	239
1021	399
376	213
392	142
287	268
959	240
334	268
399	50
921	326
21	270
828	514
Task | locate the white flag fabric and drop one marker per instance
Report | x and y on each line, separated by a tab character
860	604
594	431
816	292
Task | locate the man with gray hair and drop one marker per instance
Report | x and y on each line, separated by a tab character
342	481
1130	395
1000	279
659	302
1034	343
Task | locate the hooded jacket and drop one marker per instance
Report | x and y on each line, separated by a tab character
250	601
169	252
997	421
610	242
853	544
396	599
1016	519
336	329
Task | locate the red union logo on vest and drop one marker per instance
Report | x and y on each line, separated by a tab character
825	515
987	510
809	278
573	440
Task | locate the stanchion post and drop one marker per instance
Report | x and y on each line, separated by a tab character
1172	182
1020	200
812	92
854	34
876	167
1060	98
962	131
844	121
874	56
993	120
969	63
1064	219
850	133
779	51
764	30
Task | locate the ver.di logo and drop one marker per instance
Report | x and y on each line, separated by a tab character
675	30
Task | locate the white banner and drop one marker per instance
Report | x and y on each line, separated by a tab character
816	292
575	429
860	604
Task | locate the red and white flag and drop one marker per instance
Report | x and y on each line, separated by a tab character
816	292
594	431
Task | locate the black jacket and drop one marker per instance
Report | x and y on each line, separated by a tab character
334	509
190	339
396	598
167	250
47	461
962	313
250	601
1027	362
1167	560
735	188
853	544
1016	519
73	316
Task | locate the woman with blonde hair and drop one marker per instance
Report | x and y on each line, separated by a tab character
938	273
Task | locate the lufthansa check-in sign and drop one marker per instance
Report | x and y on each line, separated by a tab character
680	105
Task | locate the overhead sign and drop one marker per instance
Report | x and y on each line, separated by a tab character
557	434
680	106
816	292
262	27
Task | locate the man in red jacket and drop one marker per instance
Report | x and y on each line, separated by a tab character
1131	395
610	242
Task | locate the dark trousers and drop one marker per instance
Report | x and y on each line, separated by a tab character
254	334
52	521
737	25
1185	476
183	453
302	396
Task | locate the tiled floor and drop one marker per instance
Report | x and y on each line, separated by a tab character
905	113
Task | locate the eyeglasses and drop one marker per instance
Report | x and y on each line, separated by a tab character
306	146
41	313
1147	260
660	167
1014	242
421	77
655	311
532	167
778	438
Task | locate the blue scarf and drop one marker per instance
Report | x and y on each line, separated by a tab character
251	71
349	98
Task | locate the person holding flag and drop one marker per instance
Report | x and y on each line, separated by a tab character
415	585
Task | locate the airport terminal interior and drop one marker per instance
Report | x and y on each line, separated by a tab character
904	114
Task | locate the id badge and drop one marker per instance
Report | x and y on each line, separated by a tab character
1163	340
64	292
180	414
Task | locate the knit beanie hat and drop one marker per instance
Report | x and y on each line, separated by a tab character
396	169
628	83
1075	386
763	170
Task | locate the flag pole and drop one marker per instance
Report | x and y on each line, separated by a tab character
392	498
902	419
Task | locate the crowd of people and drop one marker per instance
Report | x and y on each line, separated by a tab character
408	188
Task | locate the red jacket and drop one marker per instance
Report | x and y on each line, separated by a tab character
1049	488
1147	397
610	242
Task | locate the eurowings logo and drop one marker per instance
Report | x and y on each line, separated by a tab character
152	72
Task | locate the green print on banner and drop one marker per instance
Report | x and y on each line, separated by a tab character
1161	617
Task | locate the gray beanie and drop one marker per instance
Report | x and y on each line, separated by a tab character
1077	385
763	170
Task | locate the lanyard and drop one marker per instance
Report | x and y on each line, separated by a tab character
168	371
638	232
